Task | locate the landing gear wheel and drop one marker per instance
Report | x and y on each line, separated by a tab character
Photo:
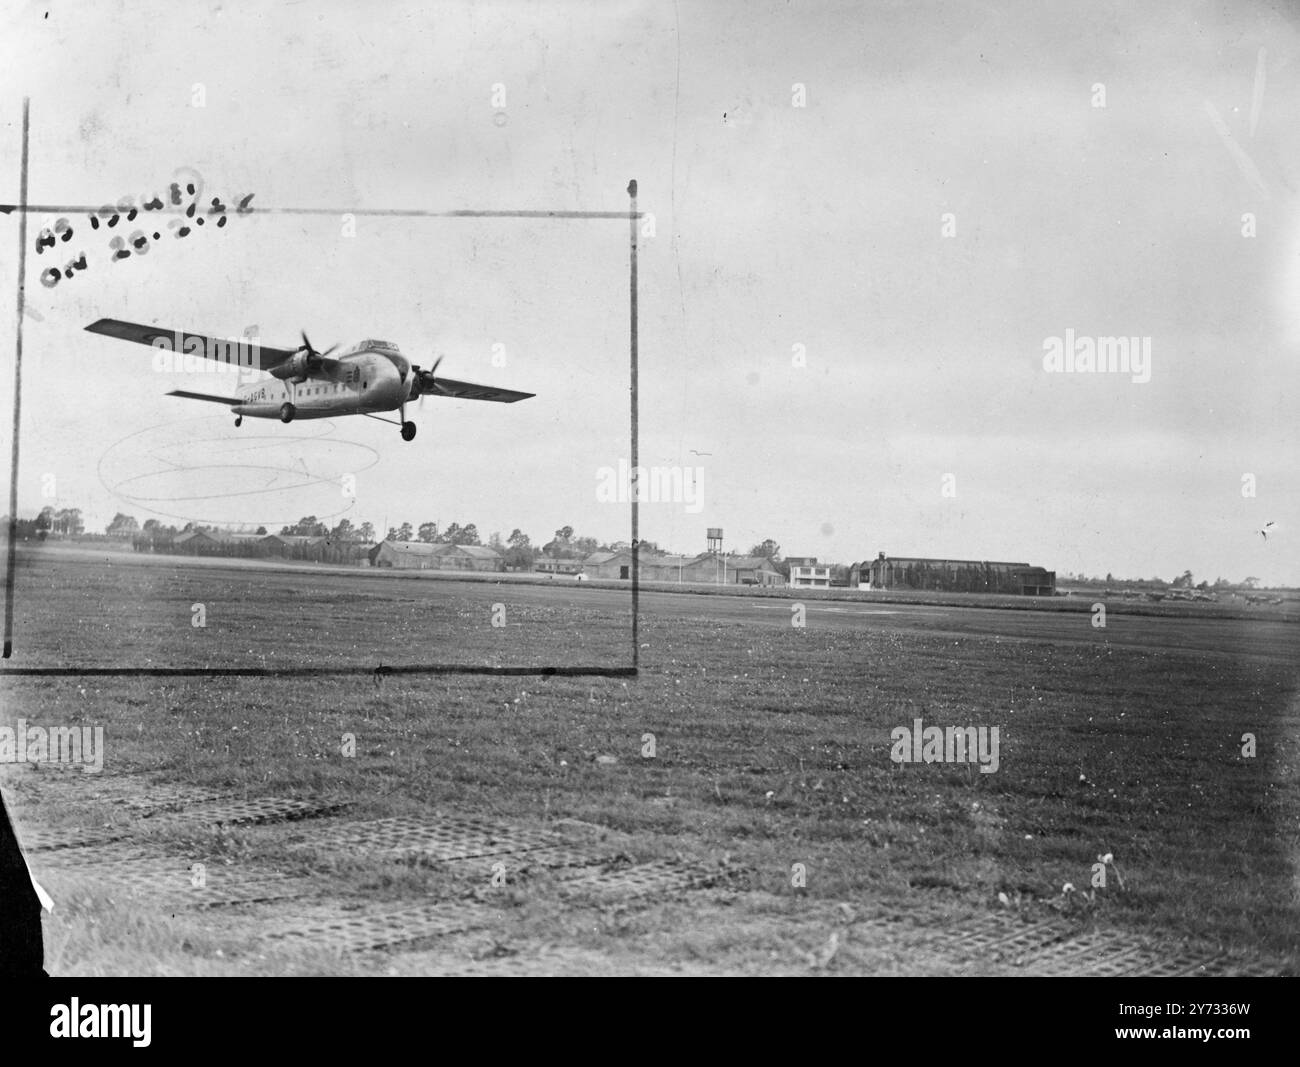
239	420
408	431
287	412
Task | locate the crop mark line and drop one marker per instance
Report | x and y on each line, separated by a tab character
23	209
12	547
316	672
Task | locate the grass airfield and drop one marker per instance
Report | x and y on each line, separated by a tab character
769	832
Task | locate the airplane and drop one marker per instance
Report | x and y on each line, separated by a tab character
369	377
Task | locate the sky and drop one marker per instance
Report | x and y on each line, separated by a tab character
866	223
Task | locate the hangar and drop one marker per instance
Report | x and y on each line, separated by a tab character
610	565
753	570
952	575
198	542
707	568
420	555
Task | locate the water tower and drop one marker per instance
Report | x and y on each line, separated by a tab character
715	540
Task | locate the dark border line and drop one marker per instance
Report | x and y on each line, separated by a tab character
378	673
396	212
12	547
636	489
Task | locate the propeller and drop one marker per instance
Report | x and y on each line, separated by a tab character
427	379
313	357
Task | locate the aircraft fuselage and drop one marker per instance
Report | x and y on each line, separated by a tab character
362	382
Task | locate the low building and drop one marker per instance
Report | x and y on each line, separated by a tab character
548	565
706	568
806	573
617	565
753	570
406	555
423	556
1035	581
290	546
711	568
952	575
197	542
671	567
472	558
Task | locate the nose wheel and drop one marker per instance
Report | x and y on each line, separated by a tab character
239	420
408	431
287	412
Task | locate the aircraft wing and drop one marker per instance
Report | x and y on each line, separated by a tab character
469	391
219	349
204	396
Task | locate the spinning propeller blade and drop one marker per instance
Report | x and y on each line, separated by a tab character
312	354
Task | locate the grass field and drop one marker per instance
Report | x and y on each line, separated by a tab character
771	748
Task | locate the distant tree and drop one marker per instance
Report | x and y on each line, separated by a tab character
367	531
450	534
404	532
344	531
45	520
466	535
1250	583
122	526
1184	580
769	549
68	523
520	553
307	526
494	541
428	532
260	529
565	546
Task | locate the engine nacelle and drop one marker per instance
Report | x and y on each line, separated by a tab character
297	368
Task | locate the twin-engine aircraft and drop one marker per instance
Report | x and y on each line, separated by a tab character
369	377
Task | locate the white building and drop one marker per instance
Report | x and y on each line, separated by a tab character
805	572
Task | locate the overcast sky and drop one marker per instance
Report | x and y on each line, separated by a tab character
780	233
